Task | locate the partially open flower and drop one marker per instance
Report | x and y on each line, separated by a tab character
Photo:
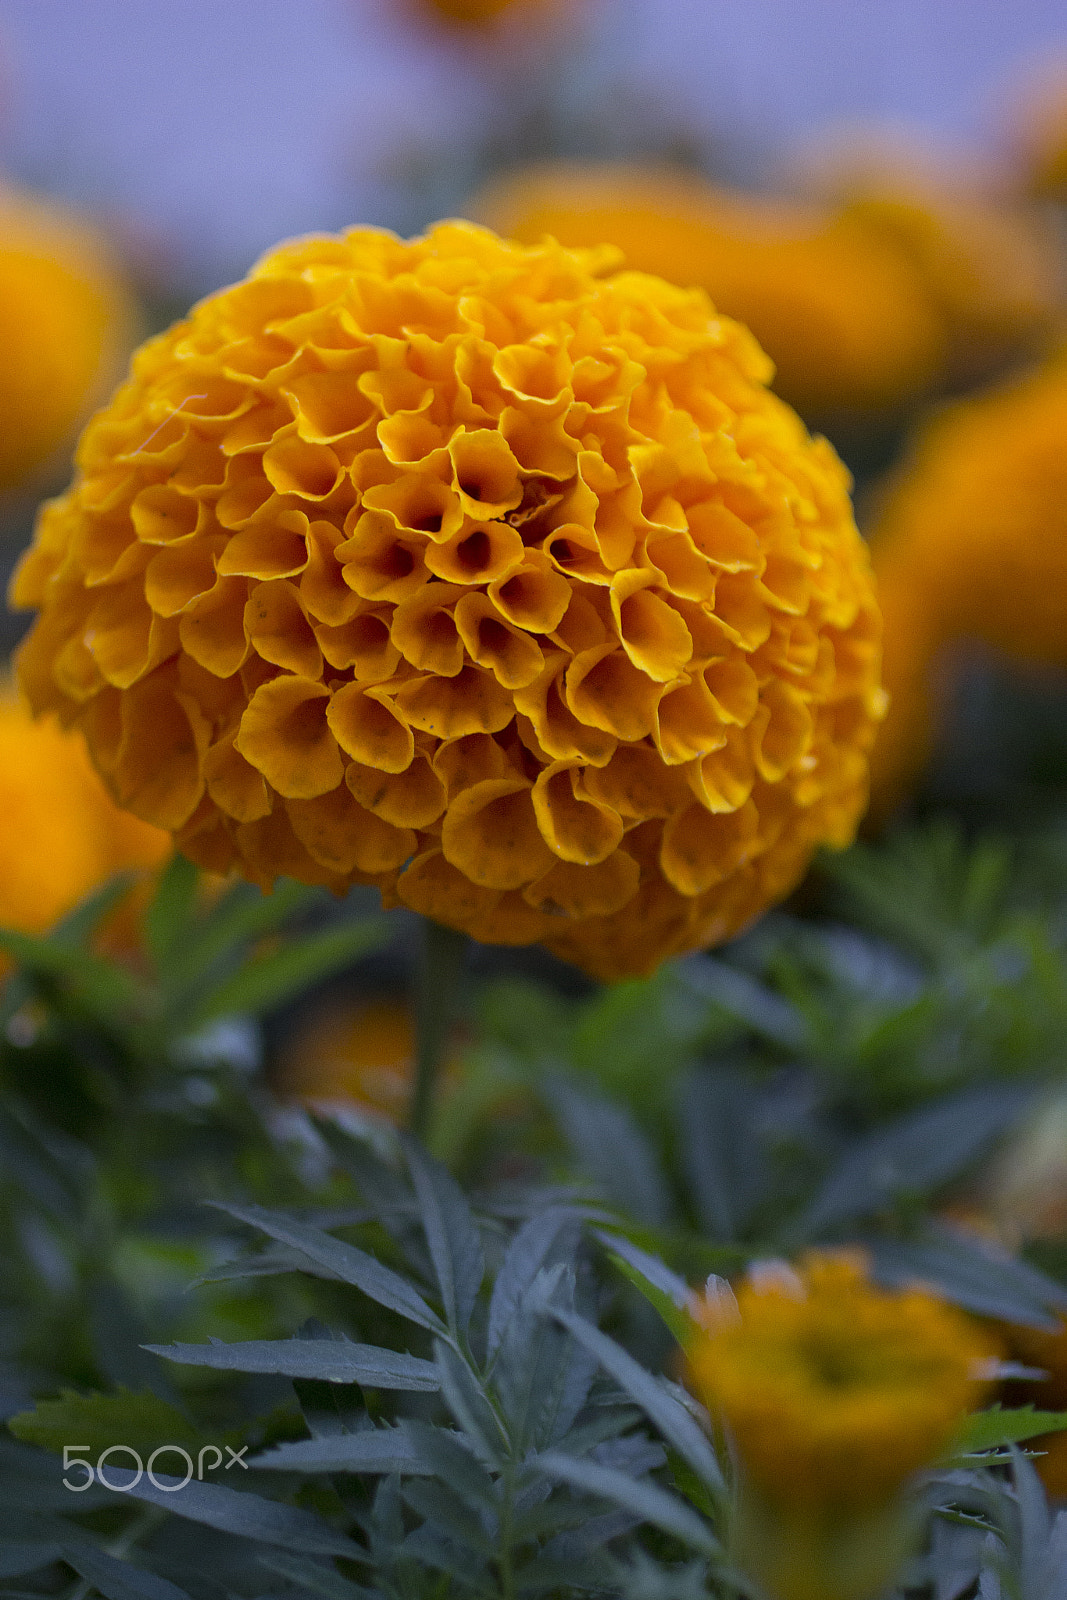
66	325
839	308
971	543
835	1393
487	574
63	836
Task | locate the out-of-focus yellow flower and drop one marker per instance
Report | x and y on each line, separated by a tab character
1037	135
991	270
971	544
62	836
478	12
360	1054
835	1393
838	306
66	324
487	574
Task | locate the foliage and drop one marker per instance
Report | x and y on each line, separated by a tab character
406	1374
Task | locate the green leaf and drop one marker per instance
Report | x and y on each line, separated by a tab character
638	1496
331	1360
652	1288
269	982
118	1580
659	1405
167	920
345	1261
248	1516
995	1429
378	1450
93	1422
451	1233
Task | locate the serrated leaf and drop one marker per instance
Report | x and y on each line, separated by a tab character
119	1580
661	1408
723	1160
527	1253
331	1360
451	1233
613	1150
661	1287
918	1152
314	1576
974	1274
246	1515
996	1429
270	981
95	1421
468	1404
379	1450
644	1500
345	1261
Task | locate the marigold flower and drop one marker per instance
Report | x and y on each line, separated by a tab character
360	1054
835	1393
66	320
991	271
63	836
834	1390
486	574
971	544
838	307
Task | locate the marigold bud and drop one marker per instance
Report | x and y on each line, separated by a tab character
487	574
835	1393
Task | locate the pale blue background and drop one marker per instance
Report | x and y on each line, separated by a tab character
209	128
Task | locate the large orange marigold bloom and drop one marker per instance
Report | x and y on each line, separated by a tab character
839	307
63	835
486	574
971	544
66	323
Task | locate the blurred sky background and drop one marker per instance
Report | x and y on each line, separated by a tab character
207	129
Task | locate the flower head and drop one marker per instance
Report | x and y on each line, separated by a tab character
487	574
971	544
360	1054
835	1391
63	836
839	308
65	324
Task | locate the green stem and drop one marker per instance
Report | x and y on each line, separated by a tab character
437	975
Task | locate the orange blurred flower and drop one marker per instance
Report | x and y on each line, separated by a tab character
62	836
971	544
360	1054
839	310
489	575
835	1393
66	323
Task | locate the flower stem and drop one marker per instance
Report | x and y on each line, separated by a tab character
437	974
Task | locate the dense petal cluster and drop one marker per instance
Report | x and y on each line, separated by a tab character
835	1391
486	574
63	836
66	320
971	544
